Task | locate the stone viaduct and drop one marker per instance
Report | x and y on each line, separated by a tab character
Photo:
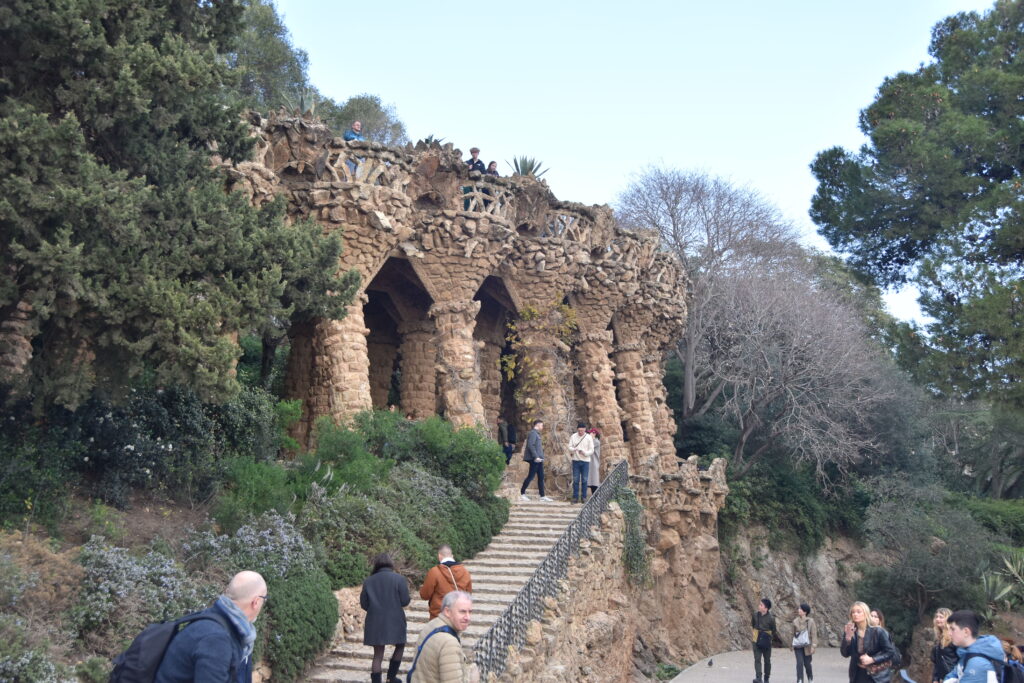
460	270
484	297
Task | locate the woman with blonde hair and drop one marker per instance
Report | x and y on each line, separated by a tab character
869	648
943	651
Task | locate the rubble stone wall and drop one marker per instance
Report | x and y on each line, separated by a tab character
602	627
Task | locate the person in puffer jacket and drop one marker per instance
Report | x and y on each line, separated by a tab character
973	653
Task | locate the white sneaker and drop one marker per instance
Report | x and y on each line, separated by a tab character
524	497
547	500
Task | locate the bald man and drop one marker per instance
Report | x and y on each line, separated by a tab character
217	648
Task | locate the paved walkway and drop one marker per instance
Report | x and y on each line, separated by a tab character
738	667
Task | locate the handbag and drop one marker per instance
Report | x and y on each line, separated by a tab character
764	640
802	639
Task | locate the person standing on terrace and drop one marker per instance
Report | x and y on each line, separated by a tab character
355	133
474	163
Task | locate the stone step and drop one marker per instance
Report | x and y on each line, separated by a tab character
499	573
518	544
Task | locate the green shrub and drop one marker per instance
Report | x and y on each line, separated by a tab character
497	510
348	522
252	489
22	660
345	564
94	670
389	435
471	528
251	424
466	457
121	593
302	610
35	473
346	450
634	549
1001	517
789	501
301	615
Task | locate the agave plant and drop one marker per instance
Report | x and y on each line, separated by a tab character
431	140
527	166
306	104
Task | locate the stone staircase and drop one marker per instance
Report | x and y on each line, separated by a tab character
498	573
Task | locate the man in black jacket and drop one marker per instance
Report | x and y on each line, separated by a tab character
762	626
534	454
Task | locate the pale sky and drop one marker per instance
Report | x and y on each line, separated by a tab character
746	90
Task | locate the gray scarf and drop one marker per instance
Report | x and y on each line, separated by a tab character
241	624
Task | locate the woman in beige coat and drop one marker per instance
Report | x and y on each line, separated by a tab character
805	639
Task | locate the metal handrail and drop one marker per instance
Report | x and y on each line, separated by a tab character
491	649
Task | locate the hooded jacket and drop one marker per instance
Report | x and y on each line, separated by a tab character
977	669
439	583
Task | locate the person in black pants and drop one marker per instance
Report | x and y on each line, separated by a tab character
384	596
762	626
534	454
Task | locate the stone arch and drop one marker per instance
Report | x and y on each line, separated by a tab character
400	340
497	307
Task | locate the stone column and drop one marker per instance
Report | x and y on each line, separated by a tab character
654	371
490	382
635	401
382	367
456	361
544	376
597	377
328	369
419	381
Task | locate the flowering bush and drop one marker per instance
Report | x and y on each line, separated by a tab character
122	593
302	611
20	660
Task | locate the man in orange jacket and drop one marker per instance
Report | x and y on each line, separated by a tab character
446	576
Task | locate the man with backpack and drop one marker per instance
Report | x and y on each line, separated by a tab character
216	646
980	659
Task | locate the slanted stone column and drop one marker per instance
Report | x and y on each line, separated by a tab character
329	369
456	361
654	371
419	381
634	396
597	377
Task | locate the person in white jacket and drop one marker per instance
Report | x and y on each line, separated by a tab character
581	447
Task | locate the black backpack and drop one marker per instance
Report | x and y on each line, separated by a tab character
140	662
1012	671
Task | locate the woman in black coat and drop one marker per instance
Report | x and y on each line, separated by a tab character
868	647
944	656
384	596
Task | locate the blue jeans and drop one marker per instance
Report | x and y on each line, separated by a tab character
536	469
580	471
